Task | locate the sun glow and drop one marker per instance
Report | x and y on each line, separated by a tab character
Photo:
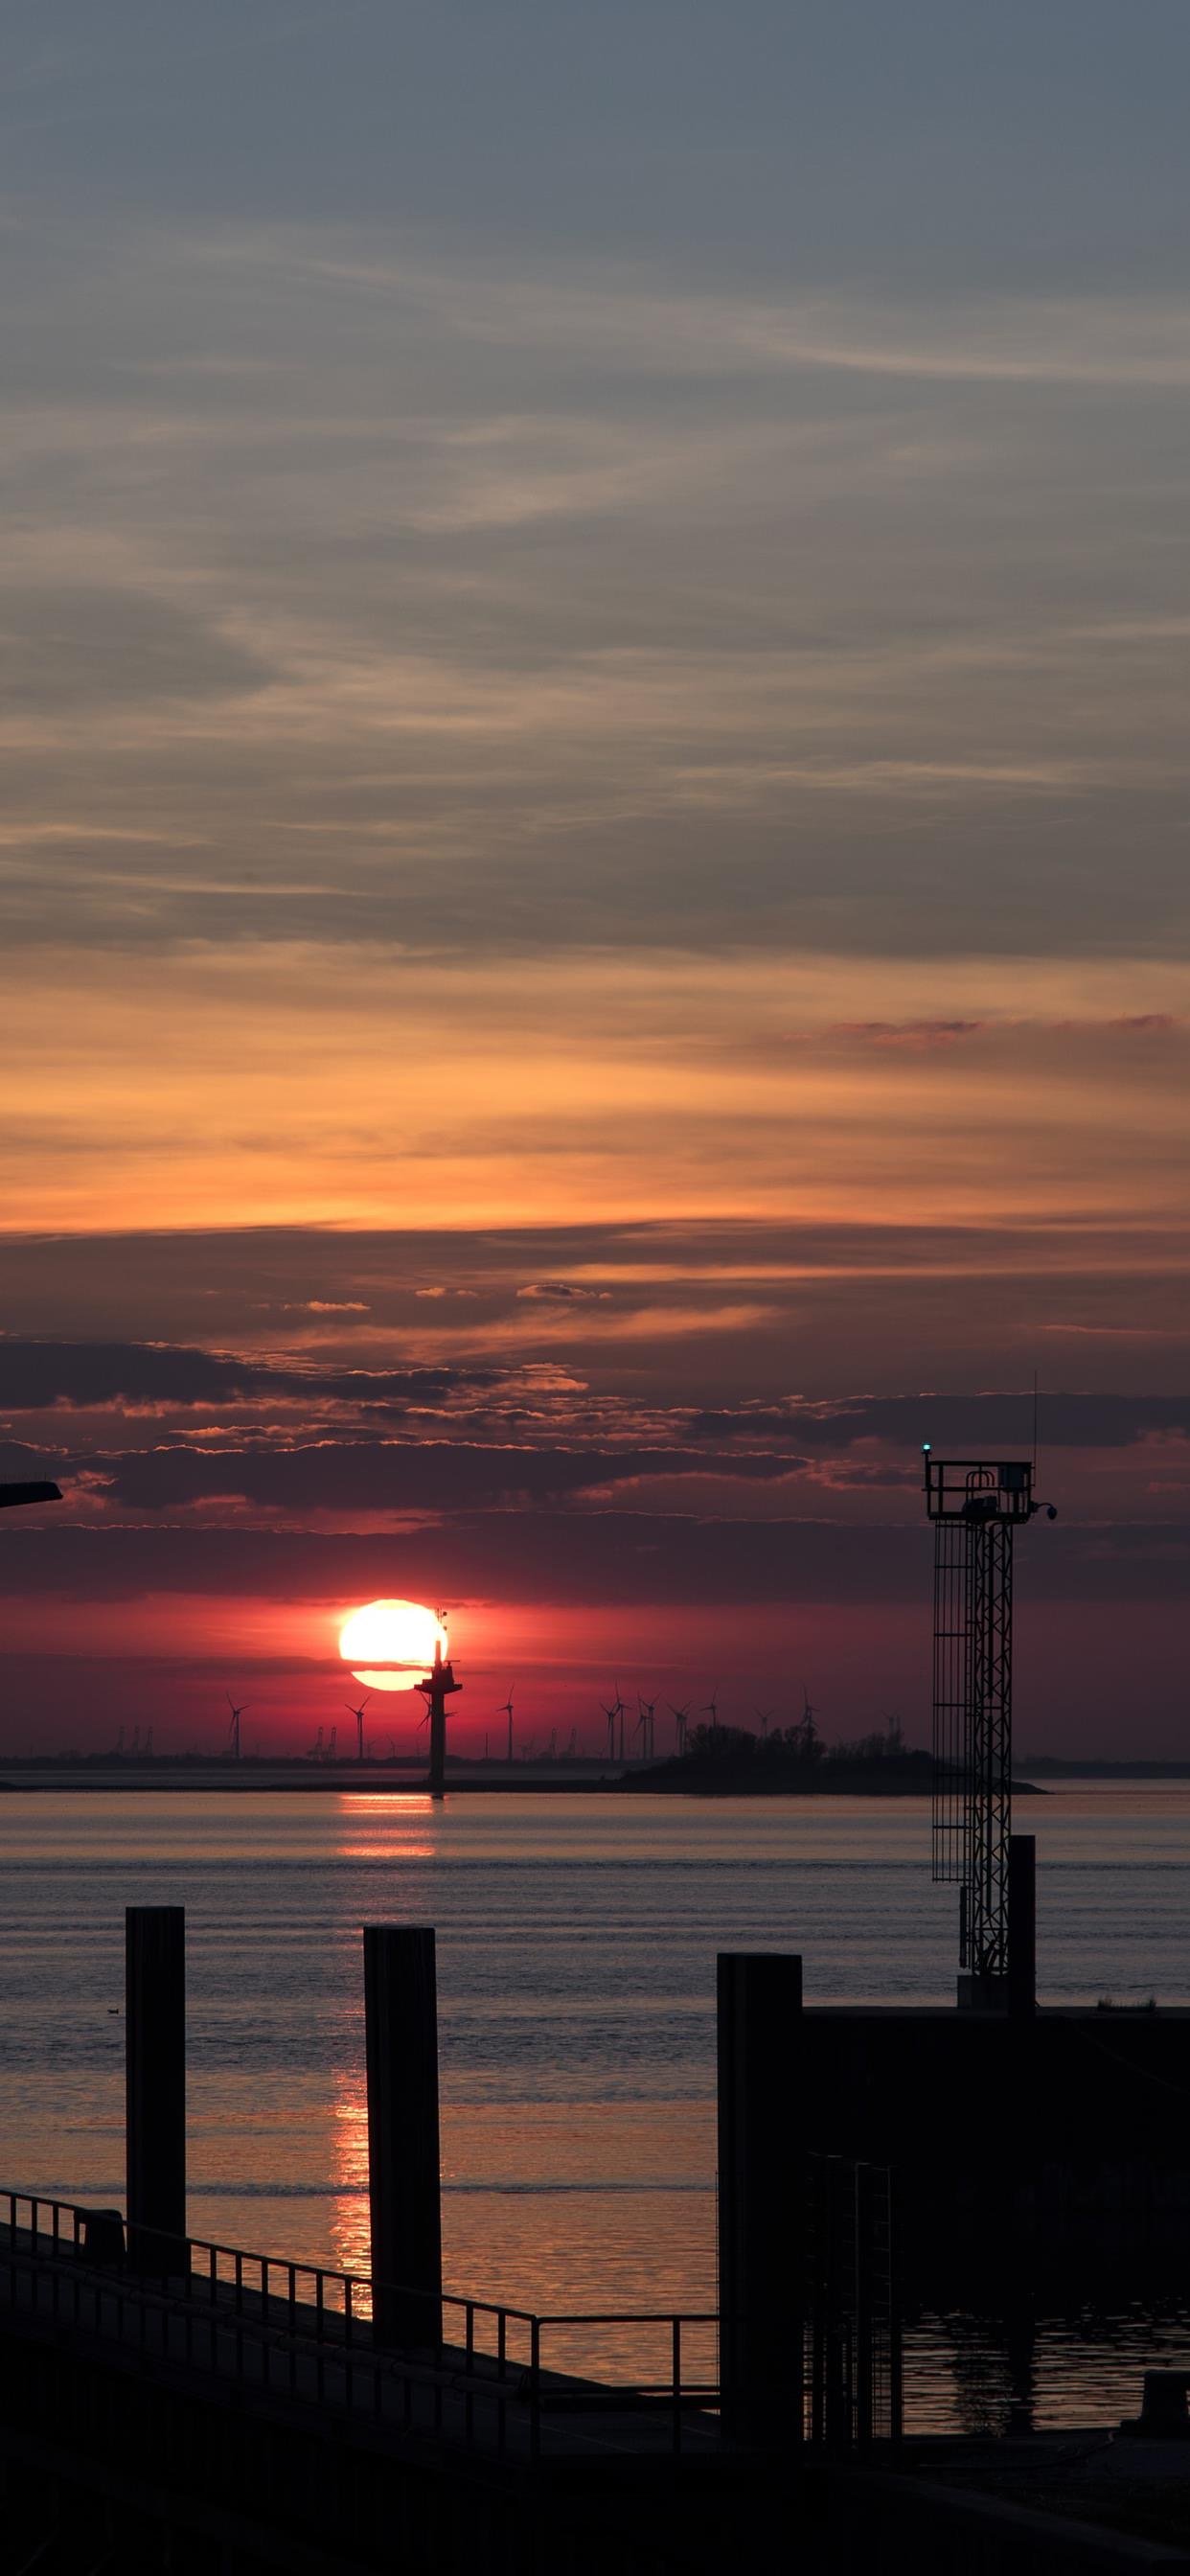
390	1644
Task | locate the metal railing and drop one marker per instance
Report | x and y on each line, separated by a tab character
504	2380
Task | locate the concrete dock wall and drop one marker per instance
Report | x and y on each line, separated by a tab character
1006	2135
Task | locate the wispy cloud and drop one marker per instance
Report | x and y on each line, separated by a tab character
1083	339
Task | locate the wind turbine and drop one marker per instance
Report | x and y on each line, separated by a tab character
764	1715
680	1717
358	1715
712	1709
505	1710
613	1710
233	1731
644	1725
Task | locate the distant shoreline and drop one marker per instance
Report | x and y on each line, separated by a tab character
23	1778
1055	1767
22	1775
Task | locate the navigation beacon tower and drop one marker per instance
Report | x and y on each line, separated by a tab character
976	1508
436	1690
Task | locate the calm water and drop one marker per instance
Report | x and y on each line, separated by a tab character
576	1950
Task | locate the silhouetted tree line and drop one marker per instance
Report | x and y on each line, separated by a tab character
789	1757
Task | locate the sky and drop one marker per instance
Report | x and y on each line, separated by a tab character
593	849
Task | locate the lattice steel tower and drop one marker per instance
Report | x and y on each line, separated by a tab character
975	1508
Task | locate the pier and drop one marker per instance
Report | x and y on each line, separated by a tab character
168	2402
248	2398
209	2407
234	2413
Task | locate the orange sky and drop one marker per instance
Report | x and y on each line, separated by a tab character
592	867
293	1086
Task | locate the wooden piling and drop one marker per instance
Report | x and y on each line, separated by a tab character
1022	1926
404	2181
155	2079
760	2197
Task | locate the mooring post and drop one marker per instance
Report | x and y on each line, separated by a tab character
760	2198
155	2079
1022	1926
404	2181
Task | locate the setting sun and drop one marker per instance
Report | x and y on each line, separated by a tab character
390	1644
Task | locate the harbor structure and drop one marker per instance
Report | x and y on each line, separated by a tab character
976	1507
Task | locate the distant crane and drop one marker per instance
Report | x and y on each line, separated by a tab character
333	1745
233	1731
680	1718
552	1754
357	1713
316	1753
505	1710
572	1747
644	1725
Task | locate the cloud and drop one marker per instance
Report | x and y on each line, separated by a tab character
1125	343
327	1306
95	648
533	1089
976	1426
35	1374
360	1476
919	1035
561	1292
477	630
551	1558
